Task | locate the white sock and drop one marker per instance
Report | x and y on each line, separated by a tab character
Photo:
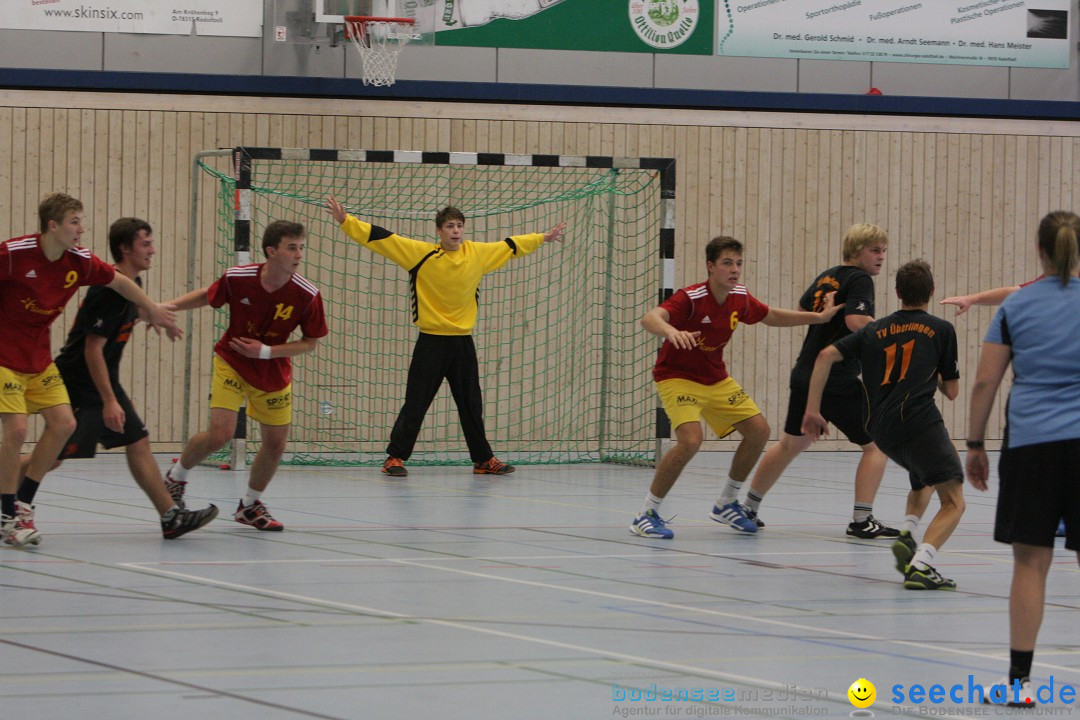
170	513
862	512
923	555
730	492
651	503
251	497
178	472
911	523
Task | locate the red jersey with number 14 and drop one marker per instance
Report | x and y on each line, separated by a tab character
267	317
33	293
694	309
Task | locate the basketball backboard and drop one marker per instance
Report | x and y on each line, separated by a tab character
334	11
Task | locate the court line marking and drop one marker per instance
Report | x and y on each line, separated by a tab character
840	695
488	558
607	596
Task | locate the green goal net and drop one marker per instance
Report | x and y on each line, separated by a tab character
564	364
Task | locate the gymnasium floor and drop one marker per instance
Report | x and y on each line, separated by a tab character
454	596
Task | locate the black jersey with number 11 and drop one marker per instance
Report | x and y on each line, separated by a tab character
903	355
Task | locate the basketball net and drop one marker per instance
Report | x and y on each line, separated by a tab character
379	40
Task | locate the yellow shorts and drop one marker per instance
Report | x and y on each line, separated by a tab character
722	405
228	392
25	394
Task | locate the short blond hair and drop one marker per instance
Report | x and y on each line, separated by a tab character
56	207
860	236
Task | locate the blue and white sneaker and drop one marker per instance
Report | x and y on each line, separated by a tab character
649	524
734	515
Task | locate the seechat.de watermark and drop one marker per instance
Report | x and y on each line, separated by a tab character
1053	691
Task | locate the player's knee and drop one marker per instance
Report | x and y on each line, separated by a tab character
757	431
953	499
795	444
63	425
220	435
274	446
15	434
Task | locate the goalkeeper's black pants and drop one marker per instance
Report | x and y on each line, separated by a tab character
436	357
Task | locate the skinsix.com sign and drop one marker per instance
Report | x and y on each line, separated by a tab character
241	18
1015	33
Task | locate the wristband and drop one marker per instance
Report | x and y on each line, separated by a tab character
976	445
264	352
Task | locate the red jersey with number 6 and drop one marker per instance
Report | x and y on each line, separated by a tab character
694	309
33	293
267	317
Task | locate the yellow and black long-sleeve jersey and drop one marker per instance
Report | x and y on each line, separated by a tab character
445	286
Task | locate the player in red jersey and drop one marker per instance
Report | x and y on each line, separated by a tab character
267	301
38	275
693	382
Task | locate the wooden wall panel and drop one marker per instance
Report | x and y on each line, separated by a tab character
965	195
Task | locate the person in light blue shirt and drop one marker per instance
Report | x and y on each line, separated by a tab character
1037	331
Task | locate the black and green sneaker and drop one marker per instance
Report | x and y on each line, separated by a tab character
926	579
903	550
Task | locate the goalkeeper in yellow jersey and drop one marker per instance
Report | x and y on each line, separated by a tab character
444	281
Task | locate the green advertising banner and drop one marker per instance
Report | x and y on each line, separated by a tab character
1013	33
648	26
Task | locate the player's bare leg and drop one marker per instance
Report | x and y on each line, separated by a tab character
251	510
147	474
202	444
868	474
776	460
688	437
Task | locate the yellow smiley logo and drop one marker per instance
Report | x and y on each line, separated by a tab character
862	693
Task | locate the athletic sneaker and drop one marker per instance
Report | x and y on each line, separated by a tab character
871	529
734	515
1026	699
180	522
752	515
649	524
25	513
903	550
175	488
257	516
926	579
493	466
395	467
1061	528
14	533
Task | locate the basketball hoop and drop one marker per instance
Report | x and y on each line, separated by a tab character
379	40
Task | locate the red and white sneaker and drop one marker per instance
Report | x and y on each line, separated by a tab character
257	516
175	489
24	513
13	532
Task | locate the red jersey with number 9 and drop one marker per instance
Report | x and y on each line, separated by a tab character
267	317
33	293
694	309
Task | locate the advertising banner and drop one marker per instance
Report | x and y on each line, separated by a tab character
653	26
1015	33
240	18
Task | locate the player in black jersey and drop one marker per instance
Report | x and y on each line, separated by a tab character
906	357
845	403
89	363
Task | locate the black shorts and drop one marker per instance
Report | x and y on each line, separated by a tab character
849	412
1040	484
928	456
90	426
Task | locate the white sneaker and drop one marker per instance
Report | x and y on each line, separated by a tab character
15	533
1004	693
24	513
